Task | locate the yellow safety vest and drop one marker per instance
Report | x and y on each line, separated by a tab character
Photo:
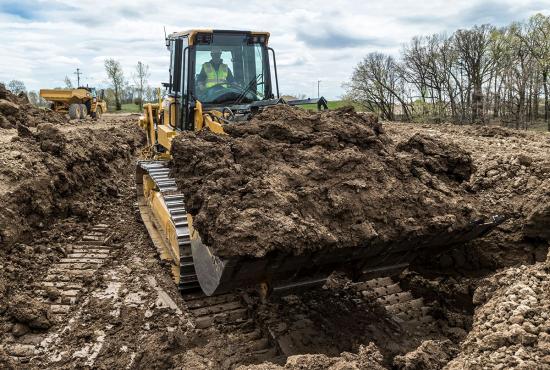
214	77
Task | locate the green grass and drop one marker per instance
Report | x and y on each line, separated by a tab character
334	104
126	108
133	108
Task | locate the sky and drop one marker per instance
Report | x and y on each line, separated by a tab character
45	40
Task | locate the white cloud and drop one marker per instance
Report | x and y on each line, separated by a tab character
45	40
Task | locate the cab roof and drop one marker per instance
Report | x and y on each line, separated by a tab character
191	34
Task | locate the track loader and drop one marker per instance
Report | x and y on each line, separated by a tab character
198	99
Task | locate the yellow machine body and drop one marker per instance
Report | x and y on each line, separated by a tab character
154	122
191	105
62	99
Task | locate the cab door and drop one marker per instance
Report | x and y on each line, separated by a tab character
178	88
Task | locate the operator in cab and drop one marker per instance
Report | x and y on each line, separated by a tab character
214	72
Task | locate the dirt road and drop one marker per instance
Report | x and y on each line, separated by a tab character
81	285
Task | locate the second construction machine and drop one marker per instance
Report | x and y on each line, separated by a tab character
78	103
196	100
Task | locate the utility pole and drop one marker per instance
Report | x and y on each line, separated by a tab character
318	83
78	73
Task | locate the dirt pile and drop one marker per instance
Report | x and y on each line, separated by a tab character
517	178
368	357
52	174
431	354
512	177
16	110
28	313
512	323
56	182
296	181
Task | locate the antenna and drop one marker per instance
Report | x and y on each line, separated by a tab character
166	42
77	73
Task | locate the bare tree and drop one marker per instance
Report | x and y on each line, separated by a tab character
115	75
537	41
519	68
140	78
16	86
150	94
68	83
377	84
472	76
473	46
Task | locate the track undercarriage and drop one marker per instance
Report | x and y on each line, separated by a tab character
195	266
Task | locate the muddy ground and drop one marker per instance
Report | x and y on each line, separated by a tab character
487	301
511	177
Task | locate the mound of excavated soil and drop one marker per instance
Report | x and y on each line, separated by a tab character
512	178
512	323
368	357
294	180
55	182
16	110
29	312
44	174
431	354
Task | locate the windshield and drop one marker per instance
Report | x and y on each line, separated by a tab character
230	71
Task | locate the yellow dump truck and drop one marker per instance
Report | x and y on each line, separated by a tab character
77	102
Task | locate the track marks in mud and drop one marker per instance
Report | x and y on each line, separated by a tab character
60	292
232	313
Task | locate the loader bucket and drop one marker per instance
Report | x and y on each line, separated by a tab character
218	275
195	264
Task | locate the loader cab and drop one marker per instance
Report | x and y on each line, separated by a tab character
240	59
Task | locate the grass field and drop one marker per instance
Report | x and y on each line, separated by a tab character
334	104
130	108
133	108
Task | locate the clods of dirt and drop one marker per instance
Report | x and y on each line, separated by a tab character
430	355
52	180
45	172
50	138
511	178
330	322
296	181
16	110
512	321
28	311
6	362
367	357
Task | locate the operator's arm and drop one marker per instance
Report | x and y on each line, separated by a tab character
230	77
201	79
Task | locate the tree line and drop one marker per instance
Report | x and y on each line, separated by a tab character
119	92
475	75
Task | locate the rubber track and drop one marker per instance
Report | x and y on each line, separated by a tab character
160	174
